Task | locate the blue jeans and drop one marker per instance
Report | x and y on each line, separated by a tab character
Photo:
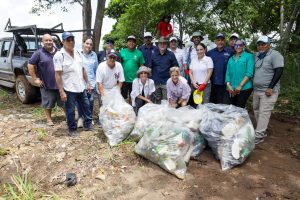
91	102
83	102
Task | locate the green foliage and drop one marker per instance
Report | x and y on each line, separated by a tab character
41	133
3	151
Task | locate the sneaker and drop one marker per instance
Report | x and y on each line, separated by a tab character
89	129
73	133
258	140
80	122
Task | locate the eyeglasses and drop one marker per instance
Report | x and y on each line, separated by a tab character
238	45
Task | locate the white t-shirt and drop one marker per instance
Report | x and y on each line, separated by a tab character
137	88
72	70
199	68
109	77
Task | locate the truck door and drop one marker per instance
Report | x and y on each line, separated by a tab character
5	61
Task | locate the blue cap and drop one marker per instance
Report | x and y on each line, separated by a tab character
220	35
66	35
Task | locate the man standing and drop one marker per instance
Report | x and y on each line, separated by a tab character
109	44
179	53
162	61
268	70
190	52
131	59
42	60
147	48
109	73
220	56
70	76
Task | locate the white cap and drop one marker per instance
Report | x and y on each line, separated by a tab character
173	38
264	39
147	34
234	35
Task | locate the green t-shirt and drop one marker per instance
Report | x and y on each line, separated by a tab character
131	61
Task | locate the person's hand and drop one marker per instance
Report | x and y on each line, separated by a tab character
238	90
89	88
63	95
230	90
149	101
38	82
269	92
195	85
201	87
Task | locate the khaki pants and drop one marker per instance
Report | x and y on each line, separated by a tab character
262	107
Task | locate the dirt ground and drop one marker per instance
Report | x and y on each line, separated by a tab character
46	153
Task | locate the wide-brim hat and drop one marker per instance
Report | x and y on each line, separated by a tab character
162	39
197	34
143	69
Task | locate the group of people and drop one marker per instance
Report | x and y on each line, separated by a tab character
151	73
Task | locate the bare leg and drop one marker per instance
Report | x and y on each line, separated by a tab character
48	115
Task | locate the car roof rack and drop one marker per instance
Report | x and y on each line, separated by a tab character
32	29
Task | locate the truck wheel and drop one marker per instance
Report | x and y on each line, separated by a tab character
25	91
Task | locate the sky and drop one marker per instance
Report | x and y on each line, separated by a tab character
18	12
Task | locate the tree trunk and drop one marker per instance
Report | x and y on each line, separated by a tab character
86	18
98	23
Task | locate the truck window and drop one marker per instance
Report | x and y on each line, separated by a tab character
5	48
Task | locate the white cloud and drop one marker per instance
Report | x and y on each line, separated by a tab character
18	12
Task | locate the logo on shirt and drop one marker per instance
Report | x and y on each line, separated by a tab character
116	75
226	54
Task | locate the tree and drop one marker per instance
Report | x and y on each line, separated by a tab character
46	5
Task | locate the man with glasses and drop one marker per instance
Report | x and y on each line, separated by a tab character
179	53
147	48
220	56
131	60
109	73
161	62
70	77
44	76
266	85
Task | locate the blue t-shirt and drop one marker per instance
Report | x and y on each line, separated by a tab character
45	67
220	59
147	53
161	64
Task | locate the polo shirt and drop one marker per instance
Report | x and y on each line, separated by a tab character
147	53
72	70
45	67
199	68
161	64
220	59
131	61
238	69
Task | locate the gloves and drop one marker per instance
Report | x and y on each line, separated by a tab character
201	87
186	72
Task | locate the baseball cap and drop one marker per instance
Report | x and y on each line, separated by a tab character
66	35
131	37
173	38
234	35
220	35
264	39
147	34
112	52
109	40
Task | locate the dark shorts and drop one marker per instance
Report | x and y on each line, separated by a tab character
50	98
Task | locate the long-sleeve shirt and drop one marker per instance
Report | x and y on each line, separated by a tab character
190	53
147	53
160	65
90	64
238	69
180	90
138	88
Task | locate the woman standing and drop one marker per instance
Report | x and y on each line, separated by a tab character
201	69
178	90
90	64
239	75
142	89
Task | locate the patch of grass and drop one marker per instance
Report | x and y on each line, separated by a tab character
3	151
38	112
41	133
288	101
3	94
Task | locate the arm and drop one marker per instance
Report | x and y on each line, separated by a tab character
32	72
192	79
248	75
100	89
186	93
85	77
58	79
209	73
277	75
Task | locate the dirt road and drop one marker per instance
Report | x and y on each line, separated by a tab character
47	154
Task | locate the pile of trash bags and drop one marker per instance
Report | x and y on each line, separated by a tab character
168	137
117	117
229	133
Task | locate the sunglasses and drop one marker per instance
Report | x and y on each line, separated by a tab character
238	45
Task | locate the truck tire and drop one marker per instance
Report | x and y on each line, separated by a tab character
25	91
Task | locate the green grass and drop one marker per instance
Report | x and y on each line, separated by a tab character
41	133
3	151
